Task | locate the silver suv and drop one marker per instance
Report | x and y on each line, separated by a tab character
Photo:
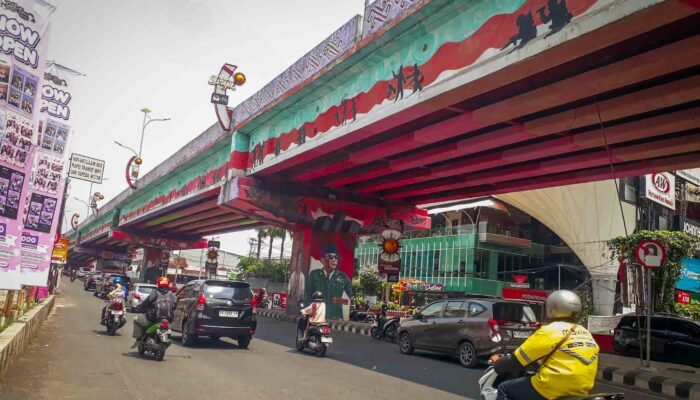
471	328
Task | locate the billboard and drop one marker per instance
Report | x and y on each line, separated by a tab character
661	188
23	44
690	275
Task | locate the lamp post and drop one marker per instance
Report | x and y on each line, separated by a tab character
147	120
84	202
133	165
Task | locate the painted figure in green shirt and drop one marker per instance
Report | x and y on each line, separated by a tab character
331	282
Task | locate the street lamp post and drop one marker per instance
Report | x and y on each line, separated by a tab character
132	166
147	120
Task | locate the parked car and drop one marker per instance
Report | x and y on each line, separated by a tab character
91	280
673	338
107	284
138	293
82	272
471	328
215	308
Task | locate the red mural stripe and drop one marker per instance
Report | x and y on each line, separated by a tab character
496	31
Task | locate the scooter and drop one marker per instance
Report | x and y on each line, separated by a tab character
157	340
115	317
318	340
384	327
488	387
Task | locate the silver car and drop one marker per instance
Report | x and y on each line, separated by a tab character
138	293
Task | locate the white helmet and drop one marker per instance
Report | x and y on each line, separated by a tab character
563	304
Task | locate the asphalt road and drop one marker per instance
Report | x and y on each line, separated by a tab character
73	359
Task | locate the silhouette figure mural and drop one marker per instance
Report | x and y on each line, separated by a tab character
400	81
559	15
526	32
417	75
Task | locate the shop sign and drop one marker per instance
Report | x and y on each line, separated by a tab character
426	287
690	275
684	297
690	175
660	188
524	294
60	251
692	228
86	168
520	282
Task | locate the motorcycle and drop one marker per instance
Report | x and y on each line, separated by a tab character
73	276
488	386
157	340
384	327
318	340
115	317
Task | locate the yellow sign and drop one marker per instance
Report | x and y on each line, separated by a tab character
60	251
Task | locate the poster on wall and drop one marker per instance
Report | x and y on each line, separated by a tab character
23	41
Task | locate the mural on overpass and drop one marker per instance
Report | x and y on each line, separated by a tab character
425	55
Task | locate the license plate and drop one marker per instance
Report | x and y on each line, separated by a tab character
326	339
228	314
114	312
521	334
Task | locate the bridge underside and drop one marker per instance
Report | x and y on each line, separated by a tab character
580	112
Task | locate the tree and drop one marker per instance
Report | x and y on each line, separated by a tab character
369	279
262	234
283	234
678	245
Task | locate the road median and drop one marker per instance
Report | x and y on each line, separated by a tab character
357	328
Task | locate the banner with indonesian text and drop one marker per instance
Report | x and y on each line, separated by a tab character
24	27
50	168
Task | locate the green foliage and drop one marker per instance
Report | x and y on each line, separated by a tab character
268	269
691	311
369	279
678	245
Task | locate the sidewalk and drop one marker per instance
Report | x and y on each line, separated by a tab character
669	379
358	328
677	380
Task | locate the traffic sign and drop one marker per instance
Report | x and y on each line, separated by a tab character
650	253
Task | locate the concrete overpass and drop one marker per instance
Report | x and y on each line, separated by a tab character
427	101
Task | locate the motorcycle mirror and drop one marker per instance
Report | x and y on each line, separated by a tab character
301	305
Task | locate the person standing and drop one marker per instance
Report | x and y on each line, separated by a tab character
331	282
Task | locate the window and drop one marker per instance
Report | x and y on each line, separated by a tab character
629	322
432	311
476	309
683	329
228	290
455	309
659	324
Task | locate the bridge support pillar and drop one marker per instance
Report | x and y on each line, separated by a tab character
322	261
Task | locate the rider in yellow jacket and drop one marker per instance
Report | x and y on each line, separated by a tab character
567	352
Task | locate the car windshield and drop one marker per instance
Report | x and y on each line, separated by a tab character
514	312
228	290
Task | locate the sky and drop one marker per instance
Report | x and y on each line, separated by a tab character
159	54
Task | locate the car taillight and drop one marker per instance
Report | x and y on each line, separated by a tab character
251	331
201	302
326	330
495	325
165	324
137	297
117	306
536	325
255	302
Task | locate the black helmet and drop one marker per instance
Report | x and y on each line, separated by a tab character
317	296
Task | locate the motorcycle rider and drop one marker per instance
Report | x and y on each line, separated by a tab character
159	305
115	296
316	312
567	352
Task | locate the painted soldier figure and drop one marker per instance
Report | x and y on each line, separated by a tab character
331	282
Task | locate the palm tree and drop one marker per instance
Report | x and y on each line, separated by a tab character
262	234
283	234
275	233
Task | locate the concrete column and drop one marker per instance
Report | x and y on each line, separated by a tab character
603	293
312	255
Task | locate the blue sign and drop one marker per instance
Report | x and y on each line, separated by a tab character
690	275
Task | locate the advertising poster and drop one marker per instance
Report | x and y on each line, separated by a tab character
23	49
49	172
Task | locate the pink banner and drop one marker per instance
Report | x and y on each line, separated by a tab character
23	45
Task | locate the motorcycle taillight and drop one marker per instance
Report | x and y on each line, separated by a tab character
117	306
326	330
165	324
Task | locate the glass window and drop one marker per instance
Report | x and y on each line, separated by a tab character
476	309
432	311
146	289
683	328
659	324
455	309
228	290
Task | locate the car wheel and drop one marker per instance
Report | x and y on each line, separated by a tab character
405	345
187	338
467	355
244	341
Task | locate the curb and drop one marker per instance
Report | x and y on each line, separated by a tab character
650	382
342	326
15	339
